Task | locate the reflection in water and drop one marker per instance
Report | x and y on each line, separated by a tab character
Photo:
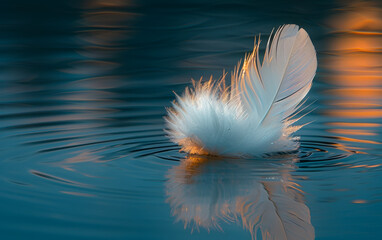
354	66
102	36
261	194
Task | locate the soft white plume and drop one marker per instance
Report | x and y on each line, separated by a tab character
254	115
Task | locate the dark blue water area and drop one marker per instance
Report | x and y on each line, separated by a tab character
83	90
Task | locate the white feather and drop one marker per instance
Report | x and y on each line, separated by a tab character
254	115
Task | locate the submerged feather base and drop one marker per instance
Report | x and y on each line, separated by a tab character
256	113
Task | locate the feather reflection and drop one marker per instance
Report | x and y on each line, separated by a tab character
205	192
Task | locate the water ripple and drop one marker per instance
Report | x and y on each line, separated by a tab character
84	86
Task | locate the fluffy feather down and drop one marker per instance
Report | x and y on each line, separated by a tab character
255	114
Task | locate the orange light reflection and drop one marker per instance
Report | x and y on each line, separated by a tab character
347	139
355	113
352	132
353	62
350	124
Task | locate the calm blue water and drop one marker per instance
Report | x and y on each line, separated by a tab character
83	90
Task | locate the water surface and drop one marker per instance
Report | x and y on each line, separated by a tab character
84	86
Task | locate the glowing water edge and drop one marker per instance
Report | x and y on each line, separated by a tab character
84	87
